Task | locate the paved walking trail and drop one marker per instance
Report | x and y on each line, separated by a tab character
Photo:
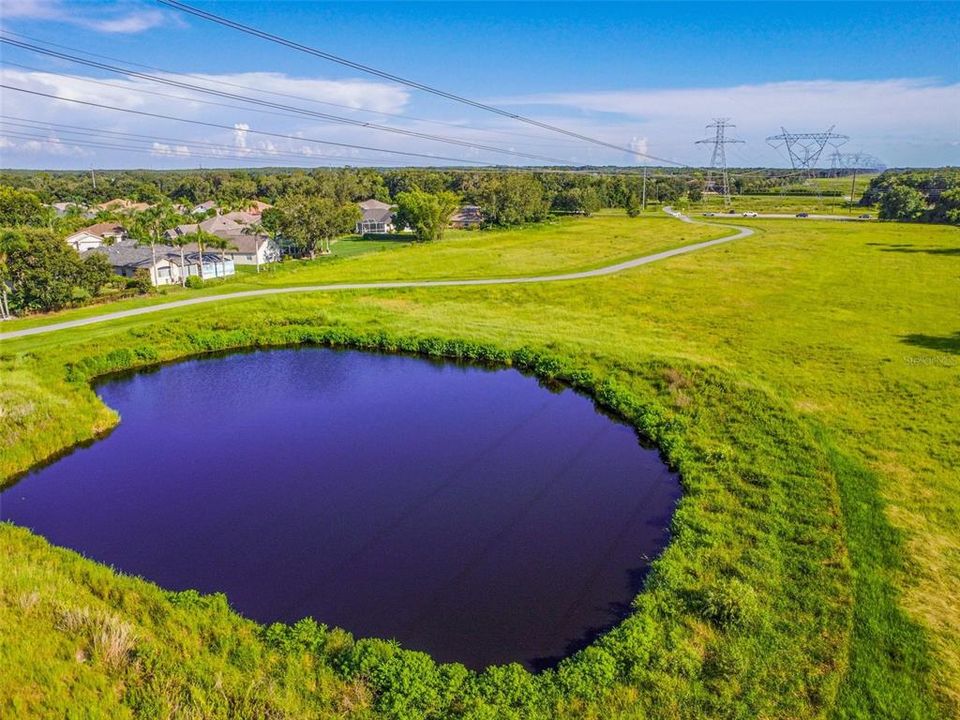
738	233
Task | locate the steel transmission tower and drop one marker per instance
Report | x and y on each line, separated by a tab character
805	149
840	162
719	158
853	163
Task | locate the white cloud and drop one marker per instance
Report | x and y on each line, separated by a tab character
904	121
240	136
120	18
640	147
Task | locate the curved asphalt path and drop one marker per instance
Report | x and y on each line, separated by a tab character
741	232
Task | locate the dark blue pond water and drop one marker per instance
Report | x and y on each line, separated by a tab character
466	512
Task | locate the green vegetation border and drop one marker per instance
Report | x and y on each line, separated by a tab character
749	612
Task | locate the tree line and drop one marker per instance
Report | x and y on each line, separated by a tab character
507	197
931	196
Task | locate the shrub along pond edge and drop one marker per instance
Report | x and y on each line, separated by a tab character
748	610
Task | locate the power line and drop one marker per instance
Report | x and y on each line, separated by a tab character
234	129
719	157
257	158
267	103
804	149
220	81
240	153
152	93
226	22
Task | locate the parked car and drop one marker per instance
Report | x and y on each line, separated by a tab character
865	216
750	213
709	214
803	214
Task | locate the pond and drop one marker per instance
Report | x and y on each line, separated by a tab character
467	512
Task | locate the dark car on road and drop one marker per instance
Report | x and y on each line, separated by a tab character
803	214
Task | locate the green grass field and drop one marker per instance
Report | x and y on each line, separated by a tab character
564	245
803	381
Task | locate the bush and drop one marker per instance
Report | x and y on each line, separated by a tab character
194	281
141	281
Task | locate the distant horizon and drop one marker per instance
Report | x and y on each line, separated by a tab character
465	168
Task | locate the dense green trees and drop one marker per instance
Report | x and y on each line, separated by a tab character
512	199
508	198
21	207
427	214
919	195
44	273
310	223
900	202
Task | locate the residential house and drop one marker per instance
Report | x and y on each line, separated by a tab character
242	217
163	262
377	218
247	249
122	205
95	235
62	208
257	207
204	207
468	216
215	225
128	256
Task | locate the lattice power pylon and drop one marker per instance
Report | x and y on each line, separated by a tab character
805	149
855	161
718	160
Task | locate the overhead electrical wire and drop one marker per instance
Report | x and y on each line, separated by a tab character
221	81
270	104
152	93
231	128
258	158
293	45
232	152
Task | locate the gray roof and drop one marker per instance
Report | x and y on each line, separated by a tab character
219	225
129	253
372	204
377	215
468	214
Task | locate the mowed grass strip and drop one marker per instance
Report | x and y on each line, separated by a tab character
804	381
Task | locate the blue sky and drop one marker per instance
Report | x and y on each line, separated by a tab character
643	75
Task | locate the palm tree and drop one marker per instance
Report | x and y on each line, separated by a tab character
202	238
149	227
256	229
222	244
180	241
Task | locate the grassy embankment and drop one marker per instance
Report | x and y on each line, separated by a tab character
803	380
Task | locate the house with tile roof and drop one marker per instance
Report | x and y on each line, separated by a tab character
96	235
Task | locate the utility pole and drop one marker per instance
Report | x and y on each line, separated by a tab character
93	175
856	162
643	203
718	159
